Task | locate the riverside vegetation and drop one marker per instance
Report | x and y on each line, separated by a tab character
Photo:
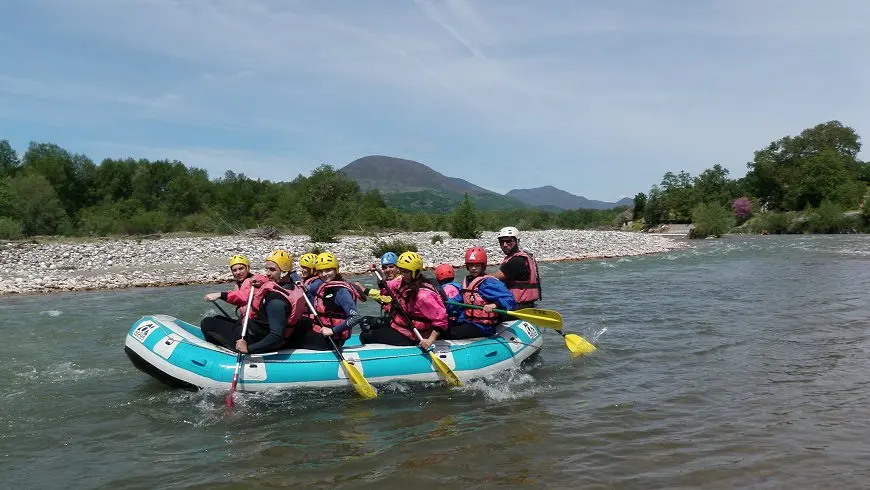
810	183
51	191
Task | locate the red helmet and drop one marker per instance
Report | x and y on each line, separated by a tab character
475	255
444	272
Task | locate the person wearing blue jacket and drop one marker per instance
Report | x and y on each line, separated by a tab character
482	290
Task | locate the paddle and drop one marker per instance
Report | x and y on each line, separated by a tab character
222	310
442	368
239	357
359	382
544	318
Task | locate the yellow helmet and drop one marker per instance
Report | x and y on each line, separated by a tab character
411	261
308	260
282	259
239	259
326	260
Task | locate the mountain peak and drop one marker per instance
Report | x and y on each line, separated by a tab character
549	196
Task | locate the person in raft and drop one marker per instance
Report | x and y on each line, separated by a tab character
306	267
446	277
414	295
518	270
480	289
334	300
388	265
276	318
240	268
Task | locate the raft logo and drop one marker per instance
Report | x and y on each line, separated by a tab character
144	330
530	330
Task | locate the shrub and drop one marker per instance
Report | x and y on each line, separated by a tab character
200	222
711	219
827	219
395	246
436	239
323	231
463	222
10	229
316	250
742	209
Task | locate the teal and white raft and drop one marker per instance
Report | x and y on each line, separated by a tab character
176	353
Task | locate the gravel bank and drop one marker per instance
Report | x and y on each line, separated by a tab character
114	264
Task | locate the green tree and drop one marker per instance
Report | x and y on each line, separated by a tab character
9	163
639	205
711	219
463	223
36	205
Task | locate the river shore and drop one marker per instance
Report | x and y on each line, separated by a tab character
124	263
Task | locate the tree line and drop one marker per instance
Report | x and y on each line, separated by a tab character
51	191
795	184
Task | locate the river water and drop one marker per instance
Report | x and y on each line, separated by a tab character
738	363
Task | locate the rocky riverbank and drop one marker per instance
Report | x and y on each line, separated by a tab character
113	264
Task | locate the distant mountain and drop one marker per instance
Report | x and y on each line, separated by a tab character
412	186
551	197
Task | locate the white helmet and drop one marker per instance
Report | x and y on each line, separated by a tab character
509	231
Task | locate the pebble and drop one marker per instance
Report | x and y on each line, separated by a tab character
203	260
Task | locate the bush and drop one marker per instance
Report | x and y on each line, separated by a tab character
827	219
316	250
436	239
10	229
463	223
711	219
395	246
323	231
199	222
771	222
742	209
147	222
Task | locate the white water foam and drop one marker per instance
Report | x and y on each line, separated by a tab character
63	373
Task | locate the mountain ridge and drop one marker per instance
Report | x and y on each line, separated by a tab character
414	186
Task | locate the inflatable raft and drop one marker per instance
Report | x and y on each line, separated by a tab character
176	353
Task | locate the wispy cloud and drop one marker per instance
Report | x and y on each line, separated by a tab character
597	98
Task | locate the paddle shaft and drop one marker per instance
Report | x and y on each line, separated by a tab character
319	323
239	356
395	304
222	310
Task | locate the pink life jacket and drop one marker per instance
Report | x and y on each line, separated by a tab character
424	321
525	291
331	315
471	296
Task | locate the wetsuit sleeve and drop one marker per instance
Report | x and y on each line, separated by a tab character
344	300
276	312
313	288
516	269
496	292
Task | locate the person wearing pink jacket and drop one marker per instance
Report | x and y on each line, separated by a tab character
414	299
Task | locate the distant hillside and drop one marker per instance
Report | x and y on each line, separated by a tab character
551	197
412	186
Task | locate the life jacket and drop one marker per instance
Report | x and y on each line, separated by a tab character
525	291
288	292
330	313
471	296
451	290
421	322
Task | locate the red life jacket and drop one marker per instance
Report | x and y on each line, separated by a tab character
293	297
331	315
525	291
422	323
471	296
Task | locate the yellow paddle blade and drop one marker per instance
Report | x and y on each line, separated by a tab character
360	384
541	318
578	345
445	370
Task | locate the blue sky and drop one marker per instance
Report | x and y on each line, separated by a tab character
599	98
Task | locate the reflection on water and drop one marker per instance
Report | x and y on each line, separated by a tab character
735	363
